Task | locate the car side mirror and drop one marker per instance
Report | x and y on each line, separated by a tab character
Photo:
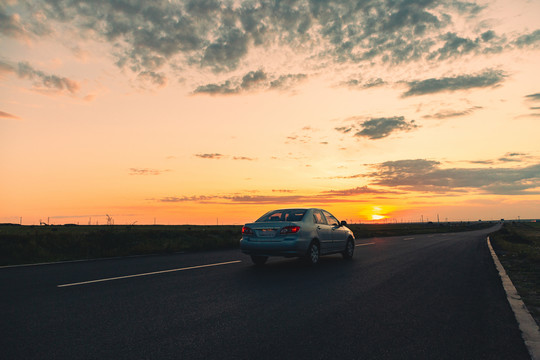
343	223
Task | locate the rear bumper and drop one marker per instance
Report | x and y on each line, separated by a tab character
287	248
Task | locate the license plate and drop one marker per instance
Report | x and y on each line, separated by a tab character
267	232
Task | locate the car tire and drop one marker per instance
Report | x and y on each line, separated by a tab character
349	249
313	253
259	260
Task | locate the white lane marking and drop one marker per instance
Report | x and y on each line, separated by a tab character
86	260
371	243
150	273
409	238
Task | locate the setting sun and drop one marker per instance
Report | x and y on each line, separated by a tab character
377	217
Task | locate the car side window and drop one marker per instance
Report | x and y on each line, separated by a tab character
331	219
318	217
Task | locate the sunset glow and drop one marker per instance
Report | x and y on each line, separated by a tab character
214	112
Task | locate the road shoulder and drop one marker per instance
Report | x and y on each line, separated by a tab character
527	325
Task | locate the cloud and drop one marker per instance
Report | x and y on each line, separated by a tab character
455	45
42	81
210	156
355	83
252	81
356	191
243	158
482	162
427	175
488	78
10	24
382	127
344	129
146	171
218	156
515	154
263	199
6	115
509	159
374	83
377	128
512	157
213	89
355	176
175	199
325	197
298	139
528	39
452	113
223	36
286	82
533	97
154	78
395	177
225	53
468	8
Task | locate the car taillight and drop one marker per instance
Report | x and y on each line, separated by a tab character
289	230
246	230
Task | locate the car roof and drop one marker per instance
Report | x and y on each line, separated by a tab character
296	208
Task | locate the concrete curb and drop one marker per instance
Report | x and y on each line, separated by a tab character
527	325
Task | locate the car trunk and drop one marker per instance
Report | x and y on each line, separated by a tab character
268	231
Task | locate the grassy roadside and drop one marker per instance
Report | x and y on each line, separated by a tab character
36	244
517	245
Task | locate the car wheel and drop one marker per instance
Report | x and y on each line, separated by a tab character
349	249
259	260
313	253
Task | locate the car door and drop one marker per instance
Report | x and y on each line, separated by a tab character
338	233
324	231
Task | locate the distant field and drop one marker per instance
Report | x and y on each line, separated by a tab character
35	244
377	230
517	245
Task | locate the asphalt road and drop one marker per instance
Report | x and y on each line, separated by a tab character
413	297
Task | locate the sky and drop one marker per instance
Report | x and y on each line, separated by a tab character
214	112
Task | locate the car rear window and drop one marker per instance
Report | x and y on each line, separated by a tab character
283	215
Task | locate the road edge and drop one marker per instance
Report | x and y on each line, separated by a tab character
529	329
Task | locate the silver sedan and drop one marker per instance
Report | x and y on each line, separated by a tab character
306	233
